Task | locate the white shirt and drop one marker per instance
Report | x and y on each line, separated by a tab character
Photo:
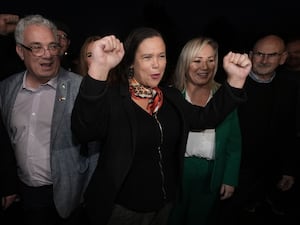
201	144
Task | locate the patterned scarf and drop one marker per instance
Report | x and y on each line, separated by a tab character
154	95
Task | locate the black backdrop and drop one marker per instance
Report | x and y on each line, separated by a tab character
235	25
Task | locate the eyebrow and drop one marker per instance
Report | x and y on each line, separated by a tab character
271	53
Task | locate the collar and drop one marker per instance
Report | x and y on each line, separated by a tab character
258	80
51	83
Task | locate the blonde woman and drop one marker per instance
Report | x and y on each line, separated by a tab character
212	156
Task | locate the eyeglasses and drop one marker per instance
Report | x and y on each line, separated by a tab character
38	50
272	55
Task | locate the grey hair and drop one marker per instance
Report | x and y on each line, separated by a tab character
32	20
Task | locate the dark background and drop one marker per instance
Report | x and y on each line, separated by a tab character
235	25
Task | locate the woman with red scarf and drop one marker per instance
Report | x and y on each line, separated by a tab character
143	126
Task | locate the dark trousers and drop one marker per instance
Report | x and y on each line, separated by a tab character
38	208
124	216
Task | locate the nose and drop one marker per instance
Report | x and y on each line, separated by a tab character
155	62
47	52
203	65
265	57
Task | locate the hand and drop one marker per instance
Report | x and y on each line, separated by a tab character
226	191
8	23
8	201
285	183
106	54
237	67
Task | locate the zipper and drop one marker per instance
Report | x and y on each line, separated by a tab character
160	161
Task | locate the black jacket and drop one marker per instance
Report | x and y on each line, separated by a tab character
106	113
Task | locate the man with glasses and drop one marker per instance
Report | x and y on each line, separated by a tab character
36	106
267	122
64	40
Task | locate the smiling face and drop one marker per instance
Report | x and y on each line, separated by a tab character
202	67
267	54
150	61
40	69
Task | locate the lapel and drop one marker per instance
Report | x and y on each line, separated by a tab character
12	90
60	104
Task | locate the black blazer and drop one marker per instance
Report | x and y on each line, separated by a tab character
106	113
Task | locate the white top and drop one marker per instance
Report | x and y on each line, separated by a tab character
201	144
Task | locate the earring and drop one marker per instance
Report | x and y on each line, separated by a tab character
130	72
